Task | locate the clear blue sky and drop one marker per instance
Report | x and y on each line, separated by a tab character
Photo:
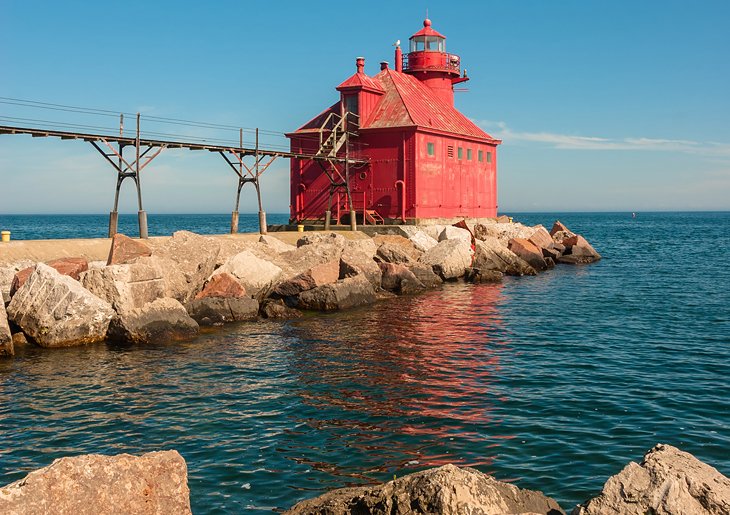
618	105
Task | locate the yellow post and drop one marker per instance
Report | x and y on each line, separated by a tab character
5	235
300	228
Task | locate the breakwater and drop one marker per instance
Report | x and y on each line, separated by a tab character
570	374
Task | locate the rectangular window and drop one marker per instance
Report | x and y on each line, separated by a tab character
480	156
468	154
431	149
489	157
450	151
460	153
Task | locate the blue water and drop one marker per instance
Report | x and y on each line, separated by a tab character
38	227
554	382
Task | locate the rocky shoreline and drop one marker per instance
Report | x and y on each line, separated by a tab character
165	289
667	481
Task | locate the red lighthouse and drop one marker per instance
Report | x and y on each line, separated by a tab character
393	148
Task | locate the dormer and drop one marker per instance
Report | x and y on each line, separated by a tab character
359	94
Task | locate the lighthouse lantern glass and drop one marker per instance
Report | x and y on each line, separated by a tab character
428	44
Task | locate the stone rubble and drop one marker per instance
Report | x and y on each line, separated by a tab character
160	290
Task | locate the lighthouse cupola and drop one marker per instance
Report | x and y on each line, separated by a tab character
429	62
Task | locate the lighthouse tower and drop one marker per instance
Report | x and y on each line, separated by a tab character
429	62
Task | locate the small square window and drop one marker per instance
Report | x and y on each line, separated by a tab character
431	149
460	153
468	154
480	155
489	157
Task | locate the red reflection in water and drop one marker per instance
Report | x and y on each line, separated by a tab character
425	364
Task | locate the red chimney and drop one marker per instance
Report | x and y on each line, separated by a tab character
398	59
383	65
360	62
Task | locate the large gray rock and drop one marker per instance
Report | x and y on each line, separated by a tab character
156	482
126	286
56	311
450	258
319	238
344	294
392	253
256	275
363	246
308	256
221	310
356	260
318	275
7	274
446	490
176	284
159	321
276	244
398	278
667	482
425	274
490	254
422	241
196	257
455	233
403	244
6	338
434	231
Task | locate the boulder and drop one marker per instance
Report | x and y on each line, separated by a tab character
307	256
422	241
364	246
529	252
318	275
578	251
404	244
256	275
156	482
425	274
221	310
400	279
455	233
446	490
318	238
275	308
434	231
475	275
668	481
450	258
7	274
489	254
71	267
392	253
6	338
504	219
558	227
196	257
56	311
542	238
162	320
484	231
344	294
355	261
276	244
126	286
175	282
125	250
222	285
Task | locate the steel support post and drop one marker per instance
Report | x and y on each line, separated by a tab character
234	222
327	219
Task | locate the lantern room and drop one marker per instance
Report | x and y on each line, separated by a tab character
429	62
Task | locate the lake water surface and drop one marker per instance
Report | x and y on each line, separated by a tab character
554	382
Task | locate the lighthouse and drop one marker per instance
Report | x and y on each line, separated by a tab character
393	148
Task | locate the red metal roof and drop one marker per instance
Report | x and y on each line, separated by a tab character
408	102
360	80
427	30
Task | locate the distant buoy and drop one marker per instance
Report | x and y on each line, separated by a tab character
633	215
